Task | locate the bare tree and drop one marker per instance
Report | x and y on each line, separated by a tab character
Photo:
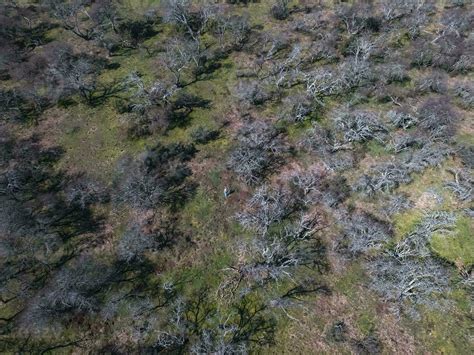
359	126
308	183
257	152
232	30
266	207
181	56
416	243
133	244
432	83
465	93
297	108
144	97
383	178
438	117
431	154
393	73
462	185
193	18
399	8
406	141
276	255
279	9
402	119
351	17
397	204
158	178
74	17
364	233
409	283
323	82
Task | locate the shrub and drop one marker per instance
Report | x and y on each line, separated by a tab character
279	9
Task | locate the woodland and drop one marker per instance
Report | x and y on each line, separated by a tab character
236	177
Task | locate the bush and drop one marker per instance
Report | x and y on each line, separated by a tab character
402	119
438	117
202	135
279	9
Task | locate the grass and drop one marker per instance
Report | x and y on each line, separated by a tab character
443	332
377	149
94	141
457	248
200	211
406	222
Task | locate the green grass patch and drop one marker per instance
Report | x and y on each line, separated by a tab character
377	149
405	222
443	332
457	248
200	210
93	140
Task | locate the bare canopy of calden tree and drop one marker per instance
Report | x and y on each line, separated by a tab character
259	150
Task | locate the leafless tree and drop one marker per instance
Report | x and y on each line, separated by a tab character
432	83
406	141
133	244
465	93
84	191
279	9
323	82
362	48
462	185
401	119
398	8
266	207
308	183
232	30
275	255
416	243
75	74
297	108
74	290
336	155
259	146
431	154
397	204
180	56
157	178
351	18
383	178
74	17
143	96
438	117
409	283
192	18
364	233
106	14
393	73
355	74
359	126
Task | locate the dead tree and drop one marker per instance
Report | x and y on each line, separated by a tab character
258	150
462	185
409	283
